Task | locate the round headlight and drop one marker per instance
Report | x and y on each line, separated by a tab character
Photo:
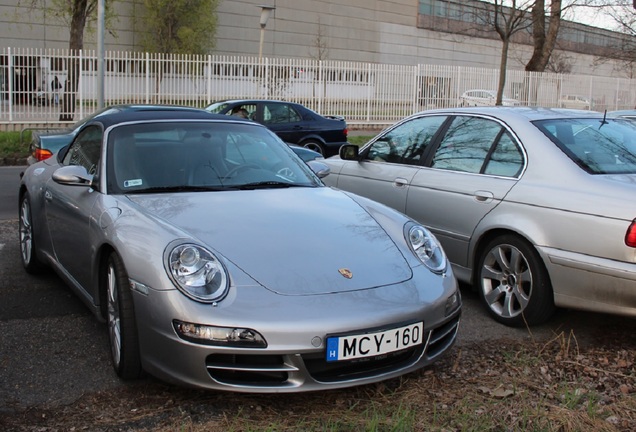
427	248
197	273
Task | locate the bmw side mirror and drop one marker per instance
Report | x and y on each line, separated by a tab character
349	152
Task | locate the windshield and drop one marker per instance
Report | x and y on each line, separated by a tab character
201	156
599	146
217	107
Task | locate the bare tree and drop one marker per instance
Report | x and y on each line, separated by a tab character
320	49
544	39
177	27
623	53
559	63
506	21
77	15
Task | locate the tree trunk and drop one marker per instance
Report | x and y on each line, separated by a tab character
76	43
502	70
543	42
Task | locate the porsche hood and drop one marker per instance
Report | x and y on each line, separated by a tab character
295	241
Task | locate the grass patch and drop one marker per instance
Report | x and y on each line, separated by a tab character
359	140
494	386
12	146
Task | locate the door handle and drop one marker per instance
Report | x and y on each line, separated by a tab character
484	196
400	182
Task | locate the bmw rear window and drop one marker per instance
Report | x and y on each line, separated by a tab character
599	146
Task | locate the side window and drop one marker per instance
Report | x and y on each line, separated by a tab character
279	113
292	114
406	143
244	111
86	149
466	144
506	160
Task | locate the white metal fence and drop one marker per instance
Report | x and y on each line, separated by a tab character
365	93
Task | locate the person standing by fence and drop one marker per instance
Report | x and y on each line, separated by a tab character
55	88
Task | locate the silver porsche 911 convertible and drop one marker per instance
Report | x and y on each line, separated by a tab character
219	260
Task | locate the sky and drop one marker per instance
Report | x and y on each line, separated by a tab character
591	17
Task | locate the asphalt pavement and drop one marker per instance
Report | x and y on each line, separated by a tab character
53	351
9	181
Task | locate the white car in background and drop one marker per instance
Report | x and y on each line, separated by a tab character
575	102
484	98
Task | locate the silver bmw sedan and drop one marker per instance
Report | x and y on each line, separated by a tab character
534	207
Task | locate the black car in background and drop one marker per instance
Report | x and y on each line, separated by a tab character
292	122
45	143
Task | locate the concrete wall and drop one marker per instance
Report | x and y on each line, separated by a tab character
377	31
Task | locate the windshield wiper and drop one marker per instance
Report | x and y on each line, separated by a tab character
267	185
181	188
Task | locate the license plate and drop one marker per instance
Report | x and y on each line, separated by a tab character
374	344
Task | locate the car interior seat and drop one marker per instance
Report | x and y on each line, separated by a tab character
206	150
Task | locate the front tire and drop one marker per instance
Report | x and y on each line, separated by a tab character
28	250
514	285
122	325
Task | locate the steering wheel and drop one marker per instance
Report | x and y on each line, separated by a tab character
234	171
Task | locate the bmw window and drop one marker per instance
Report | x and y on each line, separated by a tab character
478	145
597	146
406	143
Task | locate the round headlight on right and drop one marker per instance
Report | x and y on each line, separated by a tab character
427	248
197	272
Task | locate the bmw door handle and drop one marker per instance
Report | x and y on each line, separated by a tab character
400	182
484	196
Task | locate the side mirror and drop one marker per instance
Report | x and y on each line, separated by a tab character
73	175
321	169
349	152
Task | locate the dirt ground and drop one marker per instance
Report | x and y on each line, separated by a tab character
501	385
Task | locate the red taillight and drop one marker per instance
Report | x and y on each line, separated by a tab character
630	235
345	131
41	154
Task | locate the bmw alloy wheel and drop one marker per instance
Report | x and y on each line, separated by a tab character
514	284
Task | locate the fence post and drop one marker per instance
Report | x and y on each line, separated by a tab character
416	91
266	77
147	78
320	86
369	83
11	74
458	91
618	81
590	95
209	101
80	93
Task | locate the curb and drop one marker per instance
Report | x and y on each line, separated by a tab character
13	161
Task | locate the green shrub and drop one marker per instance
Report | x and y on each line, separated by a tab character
12	145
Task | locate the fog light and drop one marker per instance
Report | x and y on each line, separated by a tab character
453	303
222	336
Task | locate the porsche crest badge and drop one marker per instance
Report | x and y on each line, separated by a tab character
345	273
